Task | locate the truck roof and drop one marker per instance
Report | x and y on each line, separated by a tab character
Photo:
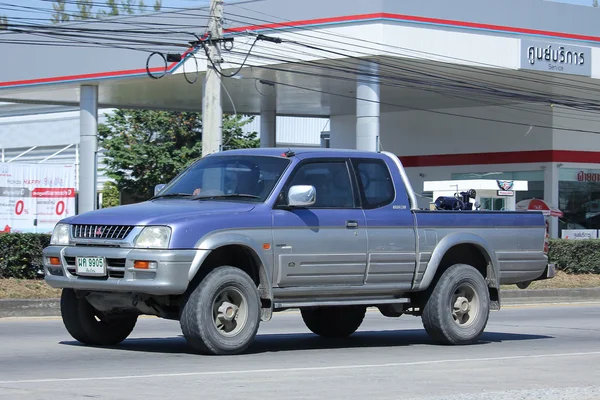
303	151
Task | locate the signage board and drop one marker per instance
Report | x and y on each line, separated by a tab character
556	57
579	234
34	197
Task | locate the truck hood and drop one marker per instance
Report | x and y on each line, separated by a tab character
159	212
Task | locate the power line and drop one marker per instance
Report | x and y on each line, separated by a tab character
368	44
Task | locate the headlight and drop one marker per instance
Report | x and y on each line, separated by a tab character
60	235
154	237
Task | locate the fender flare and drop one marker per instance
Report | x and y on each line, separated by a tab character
220	239
455	239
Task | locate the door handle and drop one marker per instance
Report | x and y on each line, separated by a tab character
351	224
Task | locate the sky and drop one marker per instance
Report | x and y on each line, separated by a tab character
42	8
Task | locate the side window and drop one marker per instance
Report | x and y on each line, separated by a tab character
375	181
331	180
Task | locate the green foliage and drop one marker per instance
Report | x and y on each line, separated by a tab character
113	8
85	9
110	195
3	22
21	255
145	147
575	256
60	13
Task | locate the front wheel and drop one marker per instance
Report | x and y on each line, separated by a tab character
222	315
89	326
457	310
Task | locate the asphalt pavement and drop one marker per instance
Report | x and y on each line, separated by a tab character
540	352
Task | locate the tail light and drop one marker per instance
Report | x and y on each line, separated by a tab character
547	238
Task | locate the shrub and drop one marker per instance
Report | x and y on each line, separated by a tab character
575	256
21	255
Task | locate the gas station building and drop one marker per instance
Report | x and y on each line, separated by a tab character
459	90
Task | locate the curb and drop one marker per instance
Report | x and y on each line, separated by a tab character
544	296
51	307
30	308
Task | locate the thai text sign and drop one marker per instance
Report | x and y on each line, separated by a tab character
556	57
34	197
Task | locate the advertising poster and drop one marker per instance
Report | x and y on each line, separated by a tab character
34	197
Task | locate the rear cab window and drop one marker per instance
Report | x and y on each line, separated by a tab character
374	182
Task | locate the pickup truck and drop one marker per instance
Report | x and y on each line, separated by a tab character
241	234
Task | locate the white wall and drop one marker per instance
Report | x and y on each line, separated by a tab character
572	140
433	133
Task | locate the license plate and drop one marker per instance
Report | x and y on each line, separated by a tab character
91	266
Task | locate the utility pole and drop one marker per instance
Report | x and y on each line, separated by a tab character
212	111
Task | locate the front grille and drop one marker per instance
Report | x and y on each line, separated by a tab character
117	232
115	266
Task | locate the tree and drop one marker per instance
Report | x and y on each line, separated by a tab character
3	22
145	148
85	9
595	3
60	12
110	195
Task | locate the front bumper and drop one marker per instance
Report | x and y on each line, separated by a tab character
169	274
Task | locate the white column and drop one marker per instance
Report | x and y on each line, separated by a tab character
367	109
342	132
268	118
88	146
551	194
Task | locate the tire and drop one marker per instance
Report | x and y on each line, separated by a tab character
334	322
438	318
84	325
200	313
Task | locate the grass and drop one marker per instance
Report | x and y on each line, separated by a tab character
27	289
563	280
38	289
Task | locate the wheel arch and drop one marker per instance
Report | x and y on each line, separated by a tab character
235	249
464	248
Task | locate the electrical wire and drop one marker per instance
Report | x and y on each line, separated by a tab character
368	44
447	84
295	71
510	95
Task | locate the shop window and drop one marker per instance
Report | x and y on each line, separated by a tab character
579	198
493	204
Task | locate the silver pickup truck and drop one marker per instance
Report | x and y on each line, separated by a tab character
242	234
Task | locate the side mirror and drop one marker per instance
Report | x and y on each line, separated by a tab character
158	188
302	196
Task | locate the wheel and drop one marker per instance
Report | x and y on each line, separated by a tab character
334	322
222	314
458	308
89	326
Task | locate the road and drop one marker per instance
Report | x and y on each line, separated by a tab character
545	352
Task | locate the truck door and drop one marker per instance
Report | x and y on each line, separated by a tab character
390	225
325	244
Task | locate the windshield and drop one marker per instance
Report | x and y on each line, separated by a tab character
249	178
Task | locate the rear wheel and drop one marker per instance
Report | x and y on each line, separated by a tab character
334	322
222	315
457	310
89	326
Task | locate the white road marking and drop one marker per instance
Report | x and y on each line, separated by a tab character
301	369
